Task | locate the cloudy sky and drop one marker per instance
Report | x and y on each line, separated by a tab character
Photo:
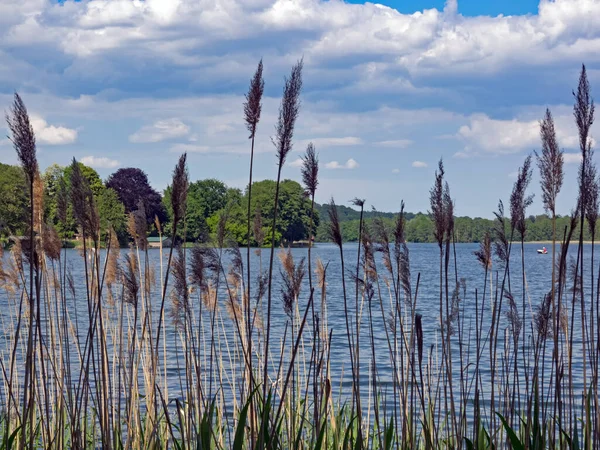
389	89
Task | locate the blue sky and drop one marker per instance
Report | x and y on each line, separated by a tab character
389	89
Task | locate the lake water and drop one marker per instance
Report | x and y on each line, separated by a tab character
424	260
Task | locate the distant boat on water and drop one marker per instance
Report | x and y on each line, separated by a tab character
542	251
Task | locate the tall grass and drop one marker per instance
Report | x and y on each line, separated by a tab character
110	356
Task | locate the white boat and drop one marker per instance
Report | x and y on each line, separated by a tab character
542	251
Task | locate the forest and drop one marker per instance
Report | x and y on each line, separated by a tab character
210	199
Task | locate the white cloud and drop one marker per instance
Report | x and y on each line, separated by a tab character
190	148
350	164
100	162
160	130
419	164
396	143
296	163
50	134
324	142
572	158
395	170
486	135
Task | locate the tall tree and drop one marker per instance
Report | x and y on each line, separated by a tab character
131	185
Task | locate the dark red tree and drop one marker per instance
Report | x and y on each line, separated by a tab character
131	185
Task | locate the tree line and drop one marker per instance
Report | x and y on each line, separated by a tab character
211	200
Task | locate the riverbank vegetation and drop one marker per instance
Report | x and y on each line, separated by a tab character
183	355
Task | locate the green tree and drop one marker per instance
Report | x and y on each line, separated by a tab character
13	200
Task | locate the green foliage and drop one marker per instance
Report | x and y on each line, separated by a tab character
13	200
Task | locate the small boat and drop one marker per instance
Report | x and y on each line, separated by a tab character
542	251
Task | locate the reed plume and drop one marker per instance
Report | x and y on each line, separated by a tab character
288	113
180	304
550	163
179	190
253	105
519	202
51	242
436	199
310	170
22	137
484	254
334	230
292	275
137	226
501	241
131	283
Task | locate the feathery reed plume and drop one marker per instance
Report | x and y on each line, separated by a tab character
518	201
448	212
454	312
180	293
542	318
209	297
292	276
383	242
179	189
112	264
252	105
197	268
131	283
310	170
583	110
22	137
16	251
137	226
51	242
484	254
550	163
402	254
501	244
512	315
436	199
334	231
321	274
593	200
288	113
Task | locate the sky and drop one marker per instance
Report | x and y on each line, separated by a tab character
389	89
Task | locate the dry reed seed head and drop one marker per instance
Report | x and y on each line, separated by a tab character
197	268
452	320
501	244
382	239
543	317
179	190
448	212
180	292
310	170
519	202
550	163
261	283
237	262
51	242
209	297
583	110
82	199
112	263
334	230
22	137
321	271
512	315
32	251
292	276
131	285
288	113
368	257
137	226
16	252
157	224
253	105
484	254
436	200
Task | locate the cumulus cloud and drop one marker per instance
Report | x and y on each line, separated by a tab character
419	164
296	163
160	130
350	164
486	135
100	162
396	143
51	134
395	170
